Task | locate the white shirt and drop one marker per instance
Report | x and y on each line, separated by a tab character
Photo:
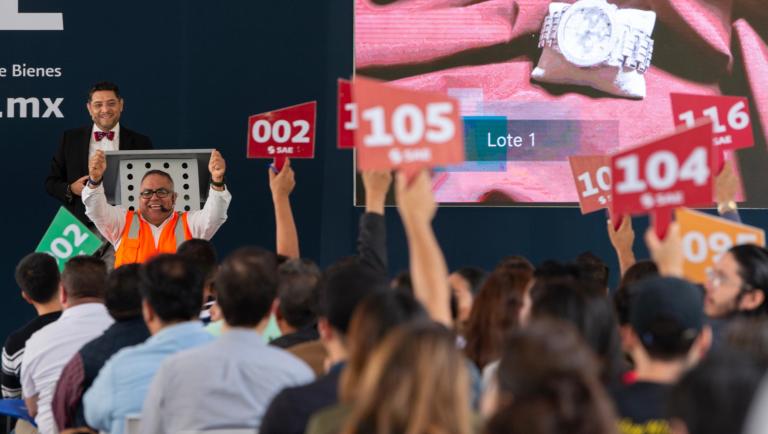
110	220
104	144
51	347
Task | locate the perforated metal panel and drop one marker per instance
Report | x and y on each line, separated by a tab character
183	171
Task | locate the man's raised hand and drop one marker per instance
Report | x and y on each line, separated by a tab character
97	165
376	184
282	184
217	166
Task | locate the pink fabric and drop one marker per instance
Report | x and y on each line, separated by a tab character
489	48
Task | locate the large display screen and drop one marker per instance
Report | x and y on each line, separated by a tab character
520	130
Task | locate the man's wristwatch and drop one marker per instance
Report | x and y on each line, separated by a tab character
591	33
94	183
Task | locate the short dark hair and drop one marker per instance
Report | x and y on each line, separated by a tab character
623	296
173	287
104	85
122	296
157	172
246	286
84	276
577	302
594	268
342	287
297	291
753	269
202	254
37	274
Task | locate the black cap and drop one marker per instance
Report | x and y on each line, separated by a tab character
666	311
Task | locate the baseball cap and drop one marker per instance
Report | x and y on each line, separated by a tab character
667	314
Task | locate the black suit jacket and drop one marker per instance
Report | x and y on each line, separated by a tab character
71	163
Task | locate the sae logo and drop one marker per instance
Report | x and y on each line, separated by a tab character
12	19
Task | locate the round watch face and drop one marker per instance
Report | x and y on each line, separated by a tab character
585	35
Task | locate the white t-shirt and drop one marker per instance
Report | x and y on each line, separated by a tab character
51	347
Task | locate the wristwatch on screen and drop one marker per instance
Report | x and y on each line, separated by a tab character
591	33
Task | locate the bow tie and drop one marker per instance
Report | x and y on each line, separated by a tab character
100	135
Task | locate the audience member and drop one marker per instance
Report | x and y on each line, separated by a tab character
465	284
548	383
238	369
586	306
203	255
668	336
123	302
297	296
714	397
341	288
38	277
738	283
496	311
595	268
404	389
50	348
171	289
373	319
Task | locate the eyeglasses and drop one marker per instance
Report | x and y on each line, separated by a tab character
161	193
717	280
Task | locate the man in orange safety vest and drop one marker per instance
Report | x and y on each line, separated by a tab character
156	228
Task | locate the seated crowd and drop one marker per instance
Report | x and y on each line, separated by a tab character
545	349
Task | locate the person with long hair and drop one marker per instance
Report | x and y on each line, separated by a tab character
416	382
497	309
548	383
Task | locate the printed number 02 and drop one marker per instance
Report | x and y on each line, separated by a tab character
263	131
409	125
662	170
62	248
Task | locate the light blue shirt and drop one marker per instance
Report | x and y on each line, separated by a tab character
121	386
227	383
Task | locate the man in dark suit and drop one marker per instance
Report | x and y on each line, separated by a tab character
69	167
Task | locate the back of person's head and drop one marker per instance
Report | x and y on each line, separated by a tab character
715	396
590	312
475	276
415	382
548	384
246	286
122	296
749	335
84	277
585	275
202	254
37	274
173	288
753	269
667	315
496	311
373	319
342	287
638	271
402	282
297	292
595	268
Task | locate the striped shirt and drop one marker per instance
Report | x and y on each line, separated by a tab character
13	352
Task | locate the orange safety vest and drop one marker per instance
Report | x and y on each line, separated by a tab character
138	245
